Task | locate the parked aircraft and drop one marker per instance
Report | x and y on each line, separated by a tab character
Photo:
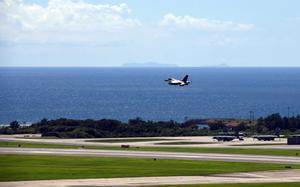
265	137
268	137
182	82
228	137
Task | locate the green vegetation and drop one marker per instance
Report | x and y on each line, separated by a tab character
35	145
251	151
261	144
183	143
105	128
45	145
125	140
108	128
28	167
292	184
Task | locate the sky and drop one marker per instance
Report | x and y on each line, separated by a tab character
190	33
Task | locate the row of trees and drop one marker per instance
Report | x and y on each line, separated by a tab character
70	128
275	121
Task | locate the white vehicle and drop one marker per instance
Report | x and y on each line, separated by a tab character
182	82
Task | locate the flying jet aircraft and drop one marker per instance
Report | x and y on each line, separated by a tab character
182	82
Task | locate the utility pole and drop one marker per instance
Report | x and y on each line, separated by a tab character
251	116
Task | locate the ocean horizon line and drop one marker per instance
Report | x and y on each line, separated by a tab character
150	67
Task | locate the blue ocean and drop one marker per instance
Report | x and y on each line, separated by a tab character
30	94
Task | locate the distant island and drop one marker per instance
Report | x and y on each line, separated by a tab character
158	65
223	65
148	64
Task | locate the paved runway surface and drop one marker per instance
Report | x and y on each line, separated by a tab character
251	177
206	141
153	154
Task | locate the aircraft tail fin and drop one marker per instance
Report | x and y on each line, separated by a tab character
277	132
185	78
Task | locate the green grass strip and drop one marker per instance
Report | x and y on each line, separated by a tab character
128	140
184	143
246	150
33	167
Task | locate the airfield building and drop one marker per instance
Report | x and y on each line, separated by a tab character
294	140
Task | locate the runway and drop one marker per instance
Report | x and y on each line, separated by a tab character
245	177
206	142
153	154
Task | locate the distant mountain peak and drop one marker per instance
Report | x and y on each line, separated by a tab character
148	64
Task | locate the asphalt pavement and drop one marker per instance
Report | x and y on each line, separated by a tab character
154	154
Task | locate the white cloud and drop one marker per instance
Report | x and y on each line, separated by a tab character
62	21
203	23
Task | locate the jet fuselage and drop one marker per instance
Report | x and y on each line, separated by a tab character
182	82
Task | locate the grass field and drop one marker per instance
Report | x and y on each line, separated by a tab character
261	144
238	185
29	167
184	143
125	140
251	151
246	150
